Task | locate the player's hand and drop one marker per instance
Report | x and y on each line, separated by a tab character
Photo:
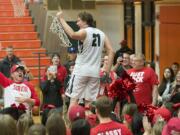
59	14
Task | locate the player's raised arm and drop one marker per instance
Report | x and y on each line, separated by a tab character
79	35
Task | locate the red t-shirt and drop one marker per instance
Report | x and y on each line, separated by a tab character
145	79
110	128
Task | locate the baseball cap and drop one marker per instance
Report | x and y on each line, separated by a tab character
15	67
173	124
163	112
76	112
72	50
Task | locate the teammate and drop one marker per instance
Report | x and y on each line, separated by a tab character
85	80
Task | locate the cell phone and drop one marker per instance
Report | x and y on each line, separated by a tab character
52	69
120	59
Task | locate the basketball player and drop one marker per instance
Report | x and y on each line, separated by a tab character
84	82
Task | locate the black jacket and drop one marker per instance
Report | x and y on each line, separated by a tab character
51	93
5	65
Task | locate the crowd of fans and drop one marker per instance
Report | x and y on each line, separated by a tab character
154	111
131	99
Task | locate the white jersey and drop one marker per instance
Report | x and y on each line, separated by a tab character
16	90
88	59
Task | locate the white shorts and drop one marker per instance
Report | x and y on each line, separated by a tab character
83	87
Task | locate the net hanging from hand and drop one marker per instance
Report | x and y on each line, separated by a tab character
57	28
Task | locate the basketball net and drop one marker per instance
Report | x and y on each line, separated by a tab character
57	28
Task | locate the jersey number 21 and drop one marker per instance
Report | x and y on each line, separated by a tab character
96	40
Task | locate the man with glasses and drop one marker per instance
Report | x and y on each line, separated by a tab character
146	81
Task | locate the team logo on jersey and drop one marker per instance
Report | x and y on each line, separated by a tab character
20	88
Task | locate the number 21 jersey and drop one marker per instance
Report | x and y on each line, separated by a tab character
88	59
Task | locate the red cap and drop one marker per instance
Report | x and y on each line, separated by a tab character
15	67
76	112
163	112
173	124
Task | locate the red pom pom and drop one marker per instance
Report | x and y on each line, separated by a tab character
21	107
121	87
148	110
14	106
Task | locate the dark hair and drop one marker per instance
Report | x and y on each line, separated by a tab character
104	106
55	54
114	117
72	63
88	18
175	98
162	86
80	127
175	63
137	124
47	112
151	64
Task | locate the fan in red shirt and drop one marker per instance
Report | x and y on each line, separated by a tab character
107	126
146	81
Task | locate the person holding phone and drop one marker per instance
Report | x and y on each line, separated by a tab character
52	86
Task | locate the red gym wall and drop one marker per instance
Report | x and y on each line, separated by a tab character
169	36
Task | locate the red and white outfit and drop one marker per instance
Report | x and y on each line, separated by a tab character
145	79
13	90
110	128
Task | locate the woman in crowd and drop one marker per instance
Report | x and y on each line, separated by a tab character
165	87
175	98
